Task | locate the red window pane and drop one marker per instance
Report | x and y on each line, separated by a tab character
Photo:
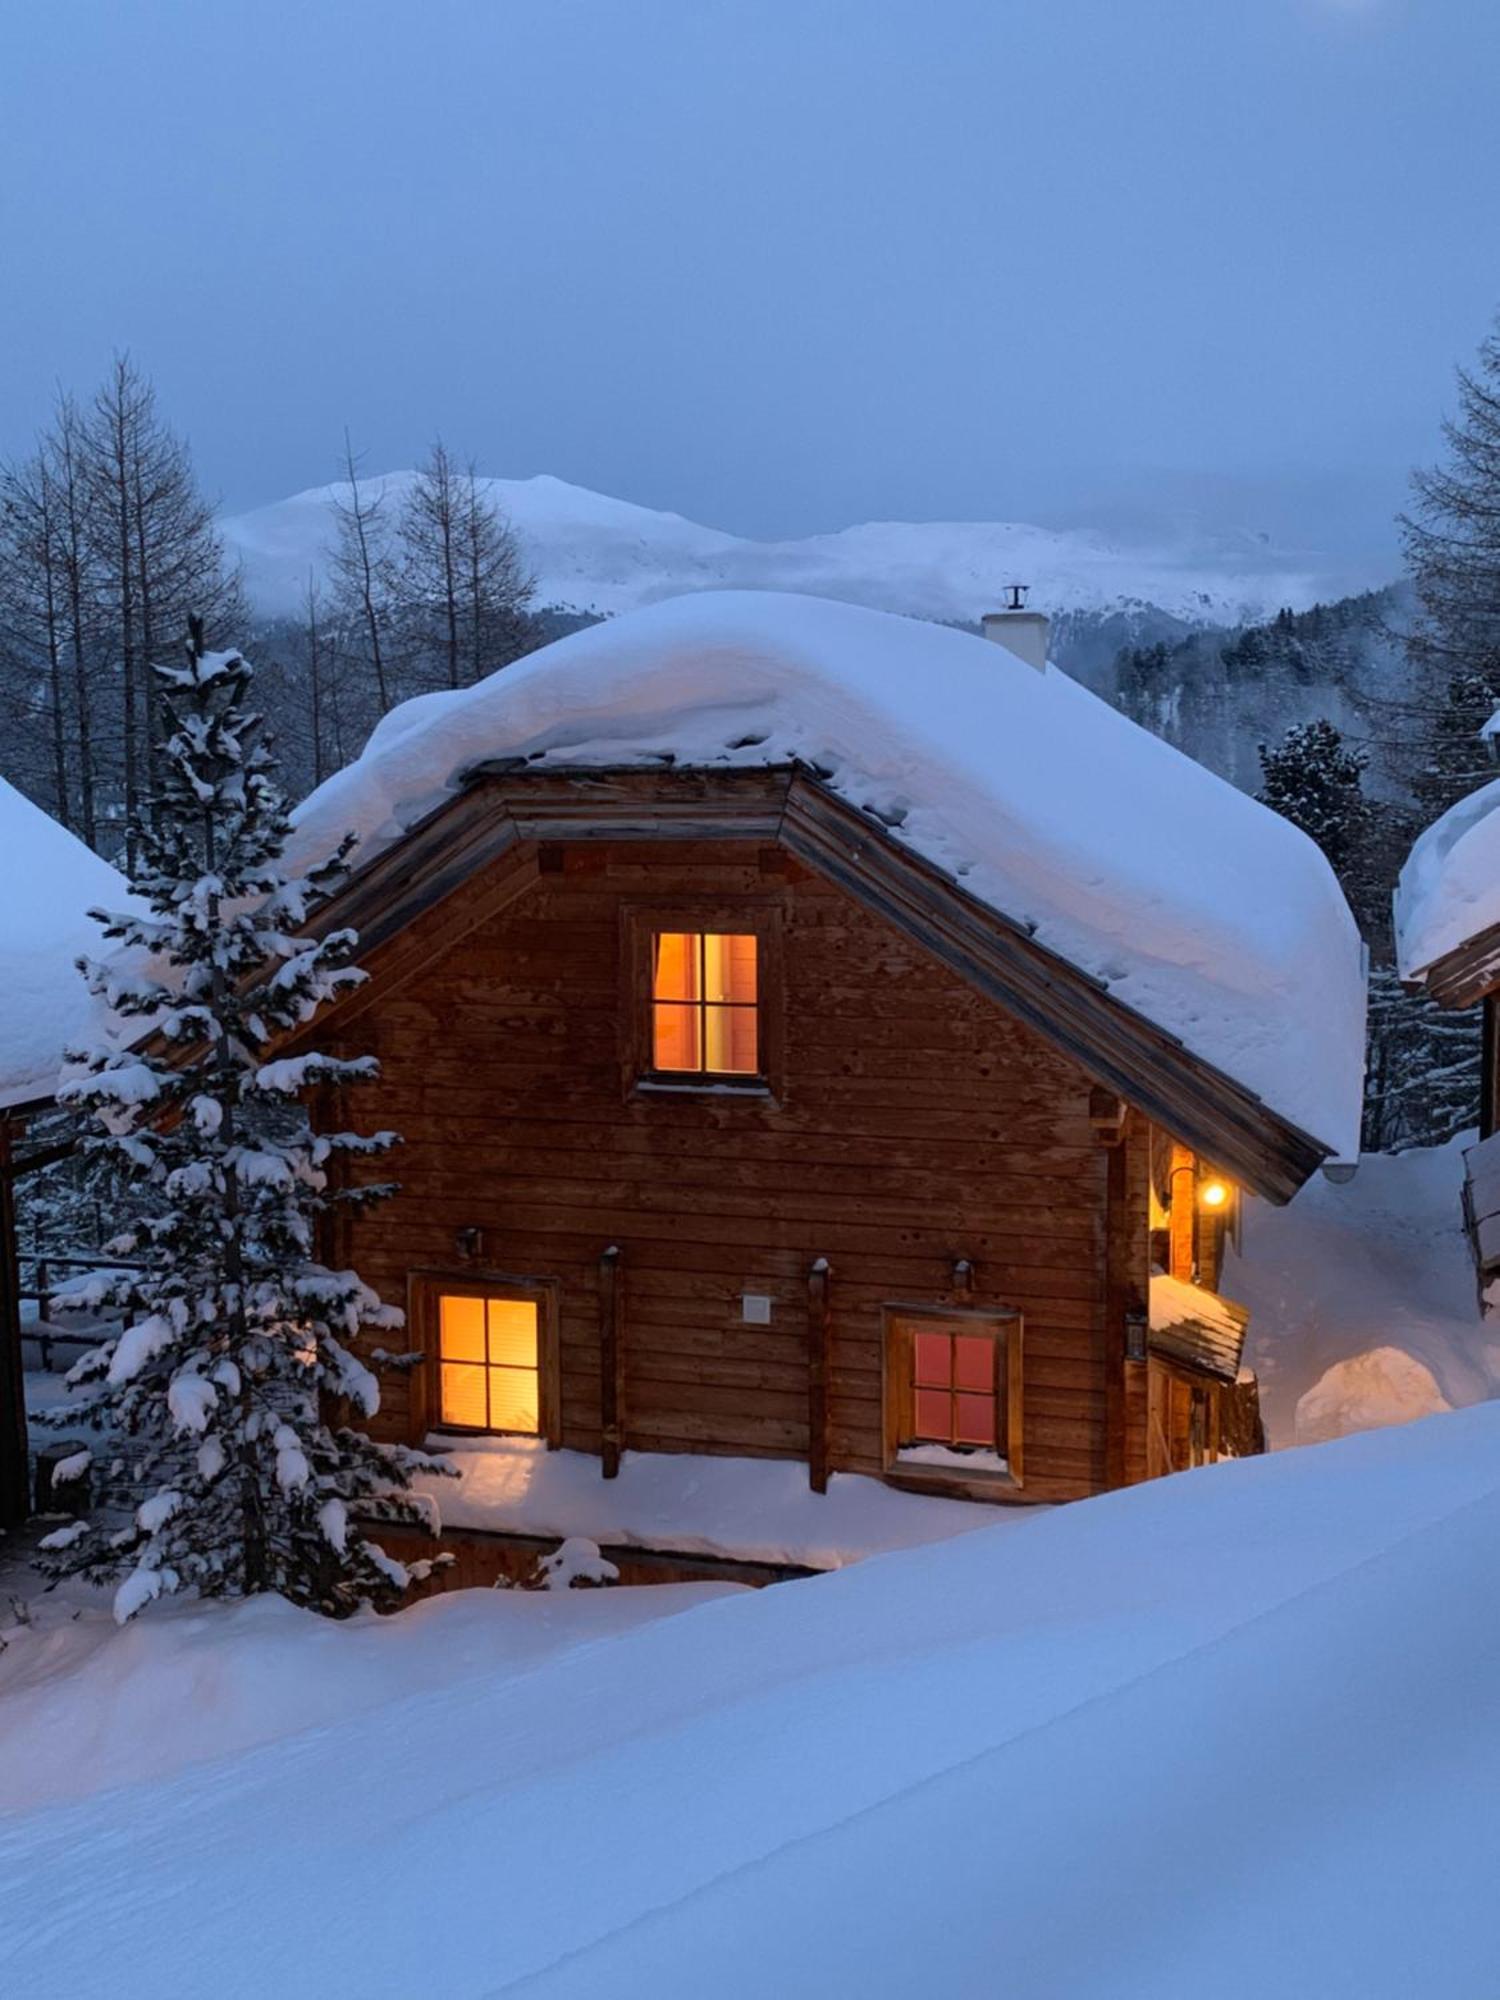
675	1042
974	1364
934	1359
731	1040
974	1420
934	1414
675	974
729	966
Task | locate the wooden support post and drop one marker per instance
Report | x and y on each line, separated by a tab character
817	1376
1119	1297
1182	1192
1489	1067
611	1366
15	1495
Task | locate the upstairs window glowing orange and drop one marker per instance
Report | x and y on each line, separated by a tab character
705	1004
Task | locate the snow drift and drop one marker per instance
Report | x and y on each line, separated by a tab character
1233	1733
1208	914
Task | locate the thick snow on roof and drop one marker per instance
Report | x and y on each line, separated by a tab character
1210	915
51	881
1449	890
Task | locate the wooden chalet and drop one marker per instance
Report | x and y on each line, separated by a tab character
1448	946
742	1118
51	880
734	1126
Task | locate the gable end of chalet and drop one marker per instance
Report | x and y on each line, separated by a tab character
506	815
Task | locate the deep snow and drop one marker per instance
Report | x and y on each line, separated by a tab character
756	1509
1233	1733
1362	1297
50	881
1046	802
594	553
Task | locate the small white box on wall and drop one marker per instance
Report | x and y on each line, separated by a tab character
755	1308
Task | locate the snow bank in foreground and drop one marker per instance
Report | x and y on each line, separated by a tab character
1449	889
758	1509
84	1706
50	882
1235	1733
1363	1309
1049	805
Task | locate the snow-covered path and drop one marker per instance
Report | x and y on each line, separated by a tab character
1231	1733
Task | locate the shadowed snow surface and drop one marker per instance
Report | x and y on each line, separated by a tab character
1235	1733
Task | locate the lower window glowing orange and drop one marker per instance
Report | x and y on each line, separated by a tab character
705	1003
489	1363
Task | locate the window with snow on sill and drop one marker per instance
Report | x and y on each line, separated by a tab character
953	1458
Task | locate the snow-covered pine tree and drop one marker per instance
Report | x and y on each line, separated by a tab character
1313	779
222	1386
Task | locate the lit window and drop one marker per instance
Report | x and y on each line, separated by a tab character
705	1017
953	1397
955	1390
489	1363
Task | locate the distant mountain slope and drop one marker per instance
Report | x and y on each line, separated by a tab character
593	553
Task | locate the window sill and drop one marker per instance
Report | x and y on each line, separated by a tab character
754	1089
948	1483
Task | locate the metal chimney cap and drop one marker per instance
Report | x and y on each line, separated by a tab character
1015	594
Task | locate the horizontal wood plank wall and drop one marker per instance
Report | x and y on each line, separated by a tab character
919	1125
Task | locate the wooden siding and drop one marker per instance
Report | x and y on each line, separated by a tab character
919	1125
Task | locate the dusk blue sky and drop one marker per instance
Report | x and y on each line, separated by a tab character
777	264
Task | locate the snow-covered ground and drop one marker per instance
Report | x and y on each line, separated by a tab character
594	553
1363	1302
1233	1733
757	1509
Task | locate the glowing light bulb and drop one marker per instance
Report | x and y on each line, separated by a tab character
1214	1194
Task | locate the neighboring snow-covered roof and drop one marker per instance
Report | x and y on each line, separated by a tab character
51	881
1449	890
1211	916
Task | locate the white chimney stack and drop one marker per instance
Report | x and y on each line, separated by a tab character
1018	630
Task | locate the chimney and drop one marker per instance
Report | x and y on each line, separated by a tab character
1018	630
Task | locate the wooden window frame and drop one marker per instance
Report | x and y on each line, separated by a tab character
1005	1326
425	1288
758	919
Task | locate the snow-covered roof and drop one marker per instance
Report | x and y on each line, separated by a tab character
1208	914
1449	890
51	881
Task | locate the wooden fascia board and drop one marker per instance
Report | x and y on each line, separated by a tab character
1464	976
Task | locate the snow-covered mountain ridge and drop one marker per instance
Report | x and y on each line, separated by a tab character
594	553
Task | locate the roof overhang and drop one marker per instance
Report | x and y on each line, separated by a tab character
1464	976
504	812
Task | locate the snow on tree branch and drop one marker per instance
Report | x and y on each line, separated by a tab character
237	1344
